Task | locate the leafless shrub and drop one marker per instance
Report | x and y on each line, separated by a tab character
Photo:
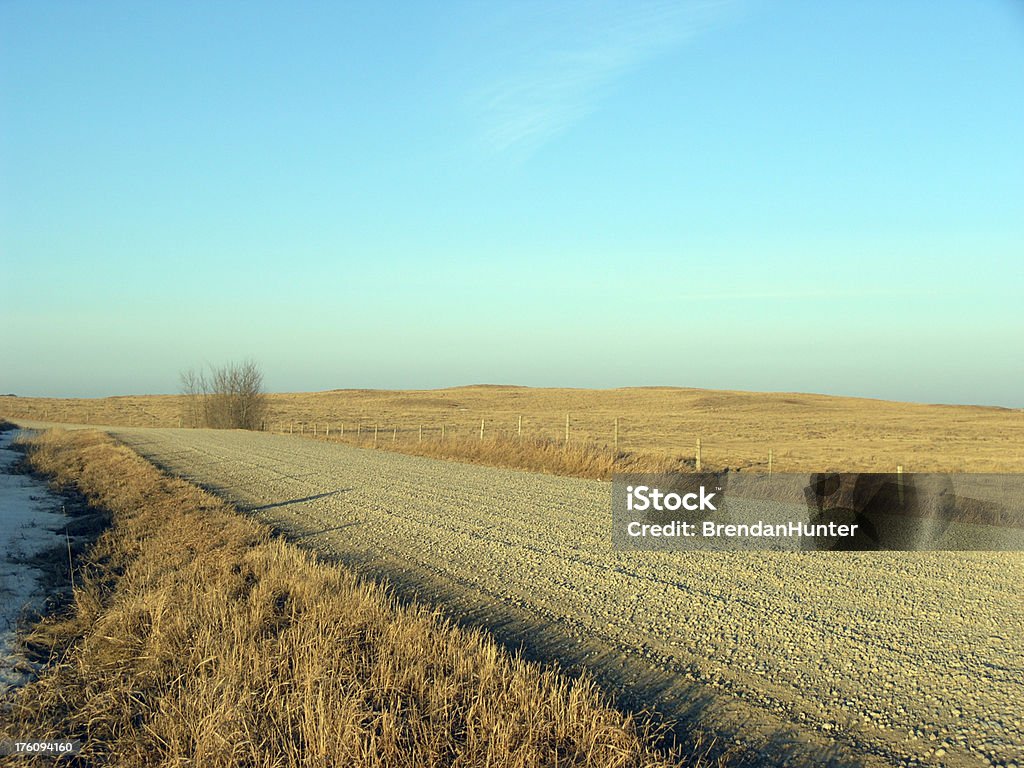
194	389
229	396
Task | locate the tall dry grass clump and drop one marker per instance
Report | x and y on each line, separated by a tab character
579	458
197	639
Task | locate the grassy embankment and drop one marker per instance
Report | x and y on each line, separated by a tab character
195	638
657	427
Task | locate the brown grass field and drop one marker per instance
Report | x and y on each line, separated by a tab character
658	427
197	639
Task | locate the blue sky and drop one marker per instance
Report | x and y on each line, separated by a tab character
798	196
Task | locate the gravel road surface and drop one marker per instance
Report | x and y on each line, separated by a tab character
840	658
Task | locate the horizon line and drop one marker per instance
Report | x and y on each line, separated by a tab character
482	385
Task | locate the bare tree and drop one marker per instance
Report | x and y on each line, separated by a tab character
193	386
230	397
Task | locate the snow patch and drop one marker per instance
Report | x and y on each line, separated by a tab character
31	522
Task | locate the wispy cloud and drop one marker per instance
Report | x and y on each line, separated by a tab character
567	57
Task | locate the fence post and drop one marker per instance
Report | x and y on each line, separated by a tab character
327	432
481	429
374	435
421	434
697	461
442	433
291	427
520	427
394	437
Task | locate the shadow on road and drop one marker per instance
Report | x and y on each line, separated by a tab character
299	501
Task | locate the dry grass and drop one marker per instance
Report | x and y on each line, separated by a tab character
196	639
805	432
578	459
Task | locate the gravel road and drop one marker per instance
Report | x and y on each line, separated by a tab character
842	658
